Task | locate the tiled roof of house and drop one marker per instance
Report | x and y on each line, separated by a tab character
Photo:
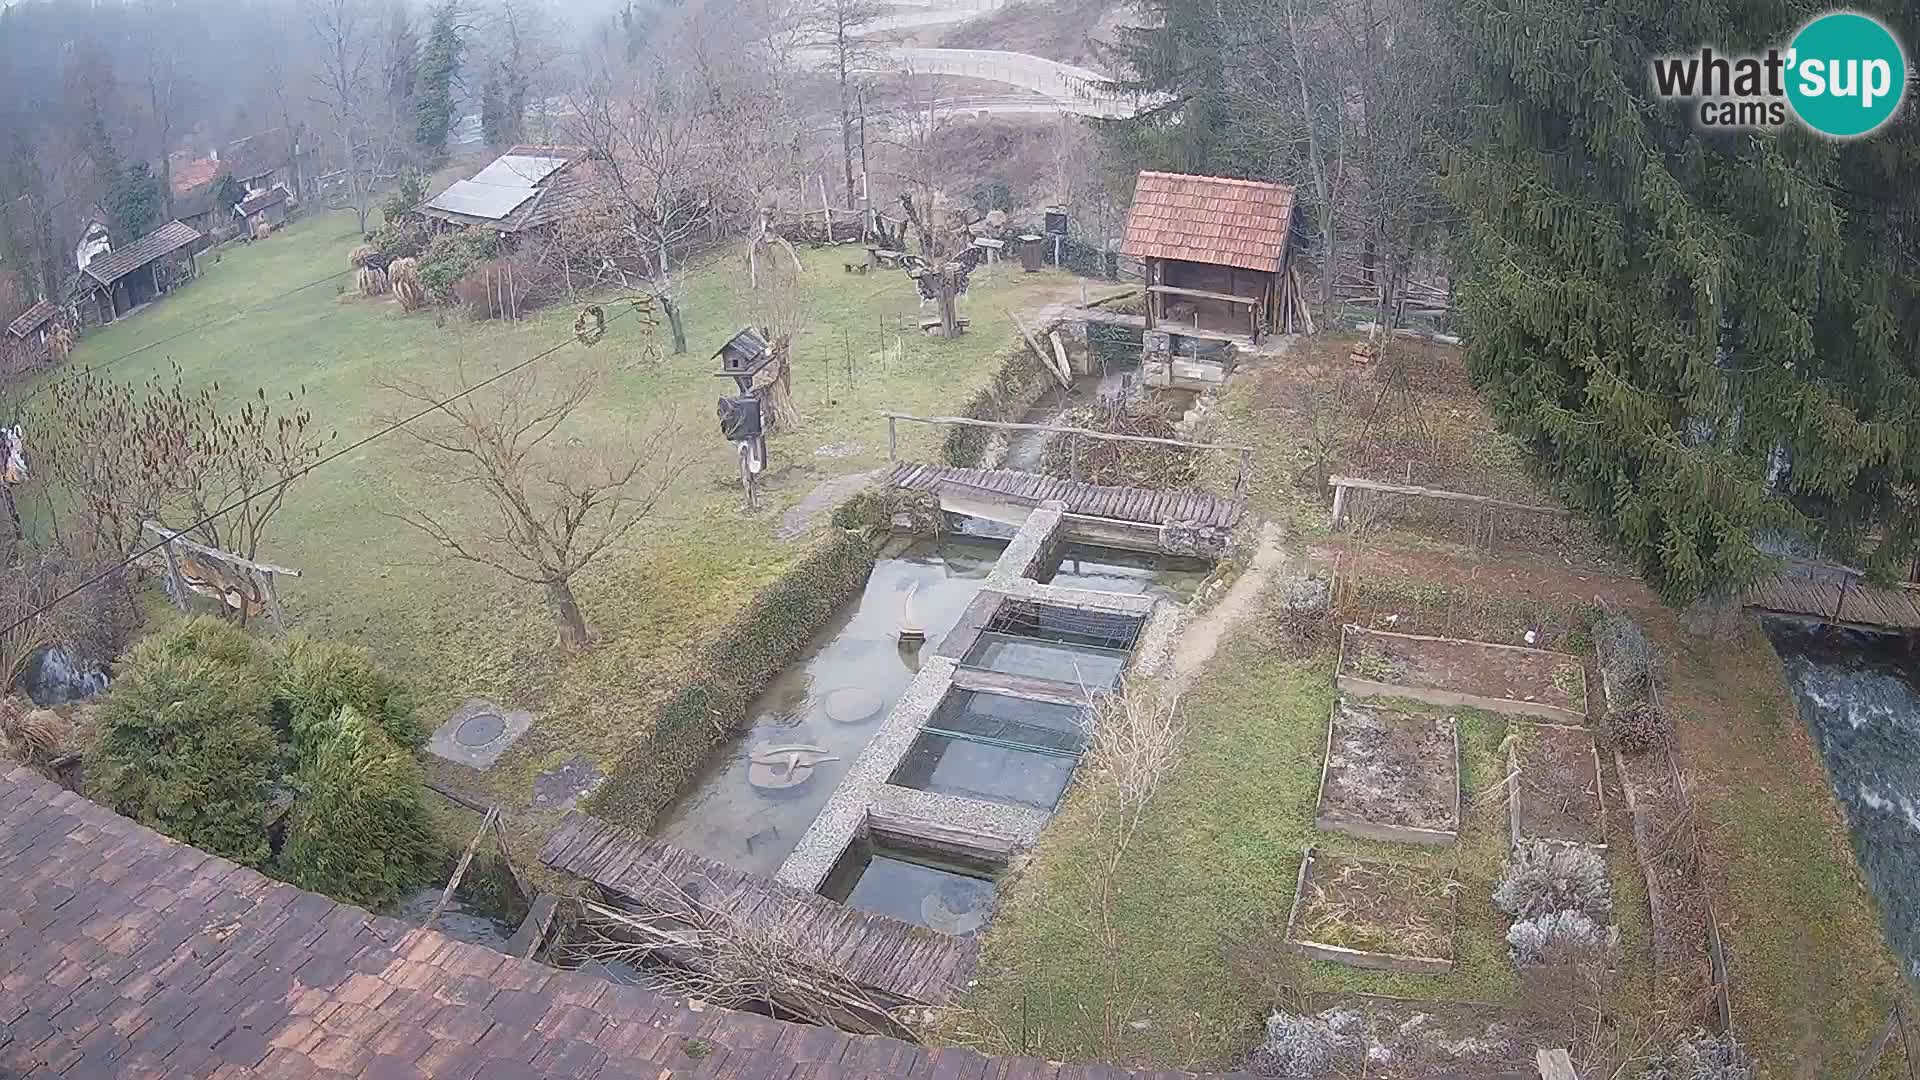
32	319
1209	219
126	954
190	173
165	240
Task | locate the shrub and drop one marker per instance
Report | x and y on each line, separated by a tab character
210	638
185	745
1541	878
400	240
1702	1056
403	276
317	679
1295	1046
359	831
1020	382
453	255
494	289
1561	937
1639	727
407	194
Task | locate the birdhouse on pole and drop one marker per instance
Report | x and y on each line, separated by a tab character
743	356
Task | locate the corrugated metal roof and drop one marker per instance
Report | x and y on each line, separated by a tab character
1209	219
167	239
256	203
32	319
518	170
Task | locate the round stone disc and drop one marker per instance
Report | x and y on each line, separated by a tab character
852	705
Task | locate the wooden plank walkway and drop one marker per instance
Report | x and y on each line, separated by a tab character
909	963
1140	506
1843	601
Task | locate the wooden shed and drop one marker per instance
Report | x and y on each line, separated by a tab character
1217	253
267	207
116	282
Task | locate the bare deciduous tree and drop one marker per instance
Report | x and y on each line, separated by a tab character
555	507
344	34
844	29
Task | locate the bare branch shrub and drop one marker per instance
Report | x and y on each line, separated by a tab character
1628	656
30	736
1702	1056
1295	1046
1542	877
1560	938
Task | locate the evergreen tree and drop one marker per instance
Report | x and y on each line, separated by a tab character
1175	59
133	202
1707	339
433	107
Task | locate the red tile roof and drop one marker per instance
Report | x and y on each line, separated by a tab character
1209	219
123	953
191	173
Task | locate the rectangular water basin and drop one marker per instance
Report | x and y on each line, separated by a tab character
995	748
951	897
1100	569
1077	665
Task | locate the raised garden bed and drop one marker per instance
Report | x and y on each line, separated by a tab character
1553	786
1507	679
1391	775
1373	914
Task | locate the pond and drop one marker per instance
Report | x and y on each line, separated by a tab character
1857	696
459	920
915	888
830	700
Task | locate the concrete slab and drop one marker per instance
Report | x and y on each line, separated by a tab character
478	732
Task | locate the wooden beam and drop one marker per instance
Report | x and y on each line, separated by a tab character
215	553
1338	483
1203	294
1007	425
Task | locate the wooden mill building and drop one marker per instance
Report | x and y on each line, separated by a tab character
1217	253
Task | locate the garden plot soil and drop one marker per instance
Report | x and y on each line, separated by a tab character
1374	914
1558	781
1391	775
1467	667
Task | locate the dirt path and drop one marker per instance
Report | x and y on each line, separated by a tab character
1201	638
801	517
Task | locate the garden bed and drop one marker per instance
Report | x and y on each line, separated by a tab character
1553	786
1391	775
1507	679
1372	914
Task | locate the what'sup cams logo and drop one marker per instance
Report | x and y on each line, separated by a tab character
1844	74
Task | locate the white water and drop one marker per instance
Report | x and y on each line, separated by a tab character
1858	700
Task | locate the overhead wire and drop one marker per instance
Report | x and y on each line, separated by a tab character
383	432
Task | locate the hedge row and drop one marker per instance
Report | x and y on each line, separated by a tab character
711	705
1019	383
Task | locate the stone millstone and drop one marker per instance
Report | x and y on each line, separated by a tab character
852	705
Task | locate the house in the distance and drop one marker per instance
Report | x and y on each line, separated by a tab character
526	188
115	283
267	207
28	337
1217	253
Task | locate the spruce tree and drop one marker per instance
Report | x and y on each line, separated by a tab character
1174	59
1706	339
433	106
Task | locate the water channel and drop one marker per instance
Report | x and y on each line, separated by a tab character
1857	696
831	699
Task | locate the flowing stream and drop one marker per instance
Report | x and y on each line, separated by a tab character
1857	696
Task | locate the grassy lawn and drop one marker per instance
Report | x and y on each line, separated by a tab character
1202	902
460	631
1812	976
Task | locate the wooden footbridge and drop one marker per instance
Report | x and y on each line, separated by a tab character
1824	593
897	962
1136	506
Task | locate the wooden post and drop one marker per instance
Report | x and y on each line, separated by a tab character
1153	298
1339	506
893	439
175	583
273	603
1246	470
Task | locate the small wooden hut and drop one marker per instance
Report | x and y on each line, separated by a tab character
1217	253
